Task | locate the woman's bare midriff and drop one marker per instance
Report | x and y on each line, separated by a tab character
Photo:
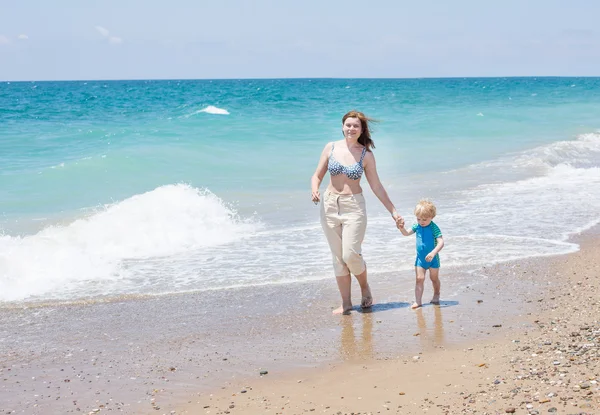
344	186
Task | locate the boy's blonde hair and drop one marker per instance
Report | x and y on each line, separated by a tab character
425	208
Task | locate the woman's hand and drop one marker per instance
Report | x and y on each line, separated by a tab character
317	177
316	196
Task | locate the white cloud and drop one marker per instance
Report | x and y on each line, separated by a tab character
4	40
23	37
115	40
103	31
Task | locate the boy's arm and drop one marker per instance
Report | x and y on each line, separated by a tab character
439	242
439	245
404	231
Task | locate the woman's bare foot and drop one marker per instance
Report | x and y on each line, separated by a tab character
435	300
415	306
367	298
344	310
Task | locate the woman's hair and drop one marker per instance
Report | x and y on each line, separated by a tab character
365	136
425	208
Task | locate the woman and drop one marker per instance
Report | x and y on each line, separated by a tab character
343	213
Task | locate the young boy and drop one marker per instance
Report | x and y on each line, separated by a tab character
429	243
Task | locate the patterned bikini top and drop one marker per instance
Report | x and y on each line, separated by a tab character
354	172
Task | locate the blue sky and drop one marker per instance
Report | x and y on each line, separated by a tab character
127	39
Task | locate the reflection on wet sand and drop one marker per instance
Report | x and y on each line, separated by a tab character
430	337
357	336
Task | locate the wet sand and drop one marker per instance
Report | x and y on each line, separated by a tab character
546	359
197	353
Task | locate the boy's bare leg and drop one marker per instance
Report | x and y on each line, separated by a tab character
367	298
434	274
344	285
419	287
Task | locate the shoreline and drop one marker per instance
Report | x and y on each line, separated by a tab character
178	354
546	359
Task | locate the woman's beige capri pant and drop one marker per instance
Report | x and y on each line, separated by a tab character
344	221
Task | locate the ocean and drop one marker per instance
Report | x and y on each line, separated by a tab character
113	189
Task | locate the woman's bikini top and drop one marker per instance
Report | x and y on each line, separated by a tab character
354	172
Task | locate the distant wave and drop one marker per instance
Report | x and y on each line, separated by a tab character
214	110
208	110
583	152
551	193
546	192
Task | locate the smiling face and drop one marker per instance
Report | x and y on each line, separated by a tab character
352	128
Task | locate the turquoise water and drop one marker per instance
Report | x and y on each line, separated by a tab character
151	187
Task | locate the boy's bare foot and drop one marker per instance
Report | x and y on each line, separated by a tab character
435	300
367	298
343	310
415	306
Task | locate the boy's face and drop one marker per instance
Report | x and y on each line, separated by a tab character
424	220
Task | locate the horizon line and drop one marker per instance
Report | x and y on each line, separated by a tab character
299	78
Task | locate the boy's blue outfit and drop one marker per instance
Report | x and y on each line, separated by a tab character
426	242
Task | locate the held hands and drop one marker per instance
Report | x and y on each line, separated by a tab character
398	219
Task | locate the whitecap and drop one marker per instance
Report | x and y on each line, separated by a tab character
214	110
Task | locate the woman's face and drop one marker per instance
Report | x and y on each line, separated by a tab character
352	128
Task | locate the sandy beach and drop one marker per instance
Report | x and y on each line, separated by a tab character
523	339
546	359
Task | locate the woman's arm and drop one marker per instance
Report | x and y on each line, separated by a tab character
373	178
317	177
